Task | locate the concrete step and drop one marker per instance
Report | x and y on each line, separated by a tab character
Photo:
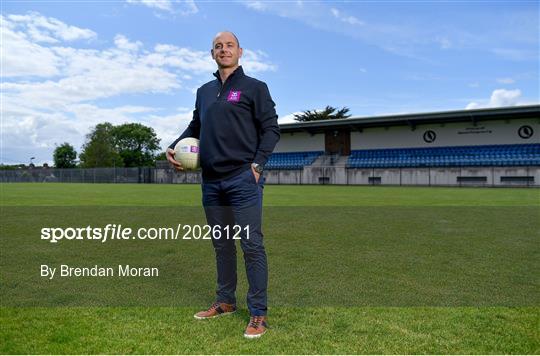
320	161
326	161
342	161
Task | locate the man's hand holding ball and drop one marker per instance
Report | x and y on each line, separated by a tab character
170	157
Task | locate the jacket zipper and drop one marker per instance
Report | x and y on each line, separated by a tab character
223	84
221	88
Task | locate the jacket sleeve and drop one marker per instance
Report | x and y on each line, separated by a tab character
266	117
194	127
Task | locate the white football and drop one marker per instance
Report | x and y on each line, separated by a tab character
186	152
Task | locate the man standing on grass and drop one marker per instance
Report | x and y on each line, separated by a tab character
236	122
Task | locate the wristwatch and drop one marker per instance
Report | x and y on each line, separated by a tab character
257	168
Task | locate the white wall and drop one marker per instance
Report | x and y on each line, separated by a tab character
451	134
439	176
300	142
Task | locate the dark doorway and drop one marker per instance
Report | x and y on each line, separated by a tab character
338	142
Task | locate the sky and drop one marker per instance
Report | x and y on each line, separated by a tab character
69	65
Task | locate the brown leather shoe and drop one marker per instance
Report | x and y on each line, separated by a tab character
215	310
256	327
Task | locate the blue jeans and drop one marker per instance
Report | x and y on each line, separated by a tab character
238	201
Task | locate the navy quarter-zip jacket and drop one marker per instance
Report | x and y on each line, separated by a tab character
236	123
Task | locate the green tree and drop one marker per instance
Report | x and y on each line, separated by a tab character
99	149
137	144
329	113
64	156
161	157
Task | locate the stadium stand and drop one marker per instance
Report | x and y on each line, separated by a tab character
454	156
292	160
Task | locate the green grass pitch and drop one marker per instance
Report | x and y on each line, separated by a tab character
372	270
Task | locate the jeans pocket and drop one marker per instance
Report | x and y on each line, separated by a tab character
251	176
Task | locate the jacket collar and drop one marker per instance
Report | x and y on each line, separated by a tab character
238	71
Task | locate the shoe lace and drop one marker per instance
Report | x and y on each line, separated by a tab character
256	321
214	306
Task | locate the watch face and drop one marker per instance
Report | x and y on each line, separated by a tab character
258	168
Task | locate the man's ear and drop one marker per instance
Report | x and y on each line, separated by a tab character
212	52
240	52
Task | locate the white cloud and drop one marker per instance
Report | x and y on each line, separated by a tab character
122	42
499	98
169	127
253	61
472	105
256	5
21	57
503	97
505	80
165	5
180	58
351	20
395	113
91	75
46	29
287	119
186	7
117	115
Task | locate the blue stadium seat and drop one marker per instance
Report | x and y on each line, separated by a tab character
486	155
292	160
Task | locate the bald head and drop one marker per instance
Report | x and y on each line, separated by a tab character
226	34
